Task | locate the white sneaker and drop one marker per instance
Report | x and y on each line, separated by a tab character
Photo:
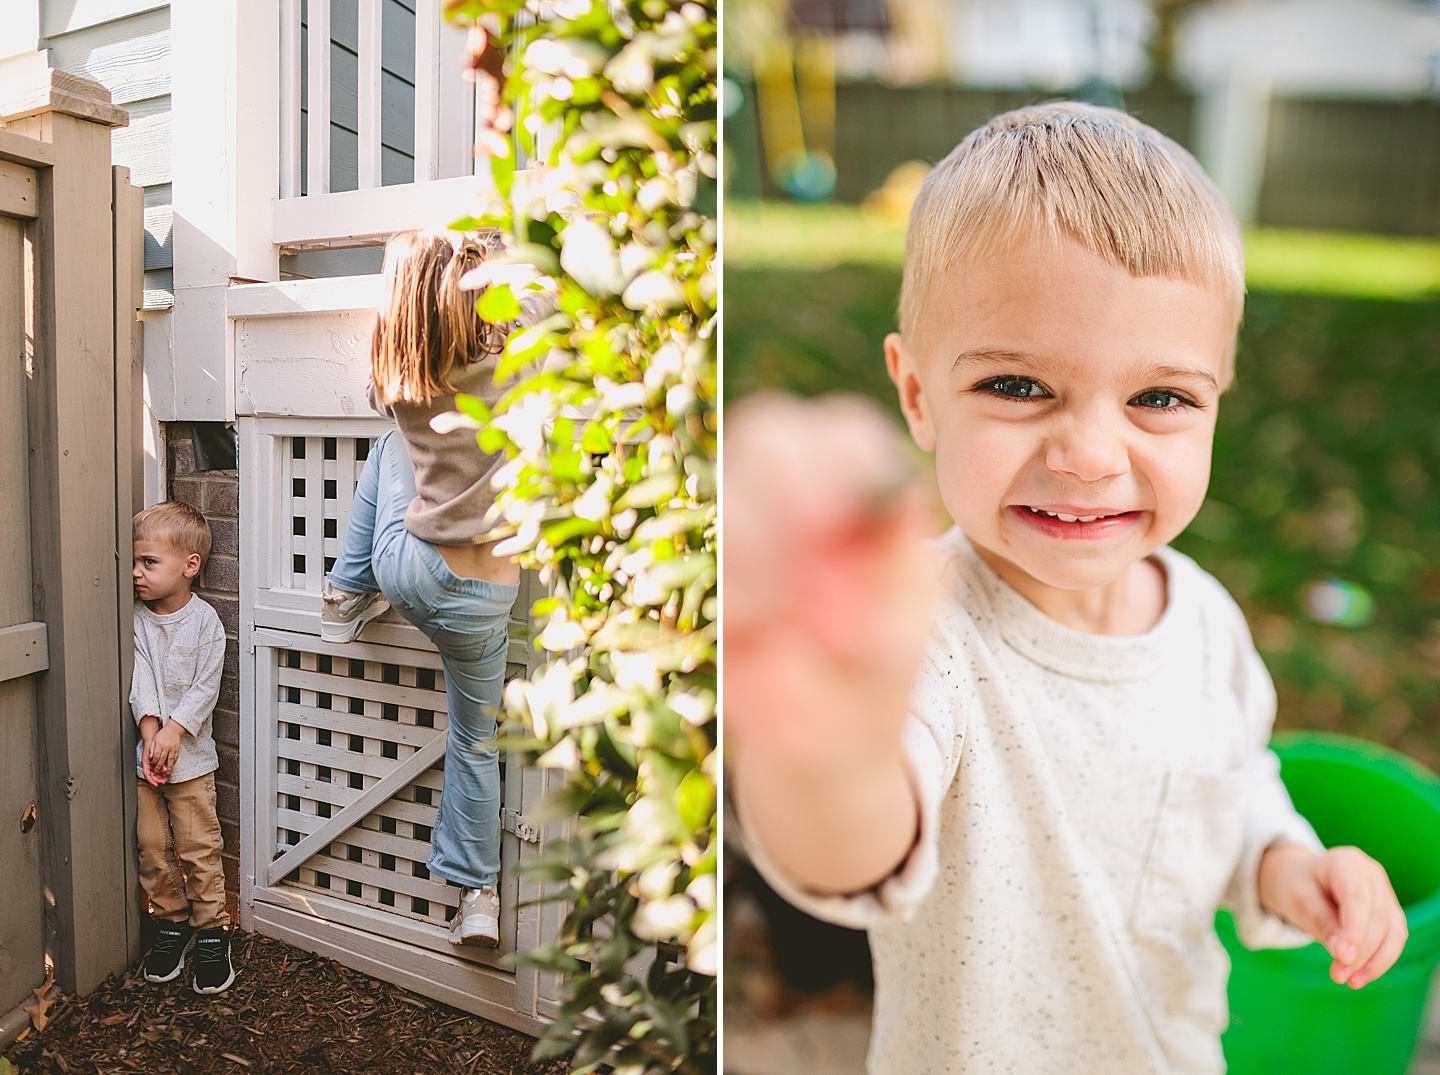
478	919
343	615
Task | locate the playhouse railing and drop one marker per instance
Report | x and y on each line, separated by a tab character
376	121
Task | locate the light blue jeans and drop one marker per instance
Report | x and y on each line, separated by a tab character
468	620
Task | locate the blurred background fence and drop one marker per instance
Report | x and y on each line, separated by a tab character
1351	165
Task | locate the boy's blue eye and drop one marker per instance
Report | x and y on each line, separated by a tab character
1014	388
1160	399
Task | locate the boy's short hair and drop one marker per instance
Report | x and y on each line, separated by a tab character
1096	175
180	524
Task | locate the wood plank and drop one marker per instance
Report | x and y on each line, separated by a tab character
73	528
377	213
341	722
129	275
368	93
24	649
144	146
16	602
304	296
130	56
317	98
290	101
19	191
416	954
343	795
311	364
401	775
385	843
339	758
22	150
435	891
57	19
21	892
427	90
394	693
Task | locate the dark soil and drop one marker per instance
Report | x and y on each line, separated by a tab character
288	1011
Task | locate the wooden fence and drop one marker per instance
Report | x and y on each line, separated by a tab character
1329	164
70	285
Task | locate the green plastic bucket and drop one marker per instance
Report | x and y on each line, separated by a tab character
1286	1016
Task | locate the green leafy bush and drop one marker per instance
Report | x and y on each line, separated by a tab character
610	494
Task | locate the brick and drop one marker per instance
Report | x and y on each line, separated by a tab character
187	491
182	449
232	878
225	726
229	763
229	693
225	536
228	609
223	573
232	660
231	832
222	496
227	802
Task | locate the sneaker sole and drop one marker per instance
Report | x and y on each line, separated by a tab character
348	632
179	967
478	939
206	991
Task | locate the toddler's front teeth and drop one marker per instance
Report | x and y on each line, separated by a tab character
1066	518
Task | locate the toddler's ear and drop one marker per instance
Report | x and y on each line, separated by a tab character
192	565
901	364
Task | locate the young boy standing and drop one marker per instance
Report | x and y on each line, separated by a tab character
1036	812
179	656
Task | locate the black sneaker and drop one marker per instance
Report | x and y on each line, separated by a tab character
167	957
213	972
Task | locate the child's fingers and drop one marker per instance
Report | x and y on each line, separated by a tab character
1396	933
1351	881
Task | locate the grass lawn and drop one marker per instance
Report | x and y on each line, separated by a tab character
1327	458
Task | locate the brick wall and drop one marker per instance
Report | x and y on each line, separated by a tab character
217	494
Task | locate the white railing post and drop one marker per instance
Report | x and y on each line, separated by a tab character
318	99
427	90
368	94
289	98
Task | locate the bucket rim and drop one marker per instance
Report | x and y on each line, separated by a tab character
1423	915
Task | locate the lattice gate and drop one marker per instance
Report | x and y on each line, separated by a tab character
344	747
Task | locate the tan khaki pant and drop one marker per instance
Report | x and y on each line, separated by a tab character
180	843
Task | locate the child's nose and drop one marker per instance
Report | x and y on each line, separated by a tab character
1089	446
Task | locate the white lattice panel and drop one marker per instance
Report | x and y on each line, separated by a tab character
341	725
317	482
334	727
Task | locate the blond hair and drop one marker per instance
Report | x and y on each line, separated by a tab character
1095	175
428	325
178	524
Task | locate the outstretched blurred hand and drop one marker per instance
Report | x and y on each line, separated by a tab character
827	591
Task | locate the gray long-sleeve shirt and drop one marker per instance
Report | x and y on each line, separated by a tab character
179	658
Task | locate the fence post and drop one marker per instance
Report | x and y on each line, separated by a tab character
91	922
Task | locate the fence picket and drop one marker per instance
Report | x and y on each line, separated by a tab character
368	93
427	90
317	125
289	98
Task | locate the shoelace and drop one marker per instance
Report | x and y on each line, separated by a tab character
210	951
167	941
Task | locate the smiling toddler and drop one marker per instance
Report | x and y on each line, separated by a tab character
1039	838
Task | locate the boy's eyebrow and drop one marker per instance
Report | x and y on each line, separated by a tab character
992	354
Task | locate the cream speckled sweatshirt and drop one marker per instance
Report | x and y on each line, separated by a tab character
1087	803
179	659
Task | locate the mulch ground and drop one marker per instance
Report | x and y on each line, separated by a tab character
288	1011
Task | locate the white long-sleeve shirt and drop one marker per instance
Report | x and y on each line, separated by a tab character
1087	802
179	658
